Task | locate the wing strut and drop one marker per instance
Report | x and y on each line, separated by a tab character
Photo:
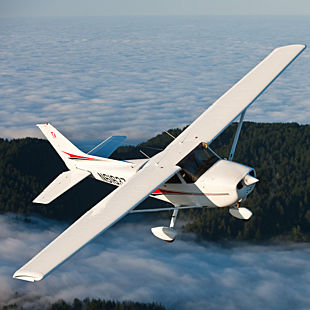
165	209
234	145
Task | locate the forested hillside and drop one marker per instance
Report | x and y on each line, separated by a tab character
280	202
93	304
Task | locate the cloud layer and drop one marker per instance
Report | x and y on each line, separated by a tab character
128	263
95	77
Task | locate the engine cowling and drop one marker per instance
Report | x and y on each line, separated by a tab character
220	183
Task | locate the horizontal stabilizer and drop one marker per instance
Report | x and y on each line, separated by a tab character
61	184
107	147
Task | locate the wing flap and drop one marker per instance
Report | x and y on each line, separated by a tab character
103	215
61	184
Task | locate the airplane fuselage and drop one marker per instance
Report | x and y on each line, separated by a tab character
221	185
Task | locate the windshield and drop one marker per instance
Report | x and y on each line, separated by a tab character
197	162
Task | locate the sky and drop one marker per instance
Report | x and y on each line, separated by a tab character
128	263
93	77
148	7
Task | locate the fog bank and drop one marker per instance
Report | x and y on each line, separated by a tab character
128	263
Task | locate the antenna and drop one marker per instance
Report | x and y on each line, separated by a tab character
97	146
169	134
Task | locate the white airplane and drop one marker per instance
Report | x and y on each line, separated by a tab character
187	173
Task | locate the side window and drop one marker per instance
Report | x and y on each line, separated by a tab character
197	162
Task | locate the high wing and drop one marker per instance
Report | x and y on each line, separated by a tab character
160	167
103	215
228	107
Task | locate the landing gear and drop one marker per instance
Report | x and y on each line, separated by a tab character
240	213
167	234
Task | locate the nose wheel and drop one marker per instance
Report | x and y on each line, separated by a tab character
165	233
240	212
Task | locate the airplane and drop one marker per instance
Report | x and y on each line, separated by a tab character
187	173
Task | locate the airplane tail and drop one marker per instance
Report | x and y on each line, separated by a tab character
69	153
65	150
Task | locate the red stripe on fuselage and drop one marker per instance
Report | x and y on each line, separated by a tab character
81	157
166	192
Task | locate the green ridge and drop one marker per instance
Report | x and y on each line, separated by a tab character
280	154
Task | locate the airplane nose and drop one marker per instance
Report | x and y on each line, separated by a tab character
246	185
249	180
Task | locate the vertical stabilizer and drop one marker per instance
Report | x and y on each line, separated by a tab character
61	144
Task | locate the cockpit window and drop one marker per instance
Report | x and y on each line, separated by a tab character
197	162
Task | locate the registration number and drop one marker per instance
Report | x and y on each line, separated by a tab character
112	179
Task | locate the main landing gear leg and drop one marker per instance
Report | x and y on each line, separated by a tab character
174	218
167	234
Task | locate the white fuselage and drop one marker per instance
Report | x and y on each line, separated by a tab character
220	186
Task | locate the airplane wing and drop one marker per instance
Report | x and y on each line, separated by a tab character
103	215
228	107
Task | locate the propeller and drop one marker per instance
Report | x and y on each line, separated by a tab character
249	180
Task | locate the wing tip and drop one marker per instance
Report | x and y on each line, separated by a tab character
44	125
40	201
29	276
299	47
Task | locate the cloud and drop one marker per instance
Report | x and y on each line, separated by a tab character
128	263
95	77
